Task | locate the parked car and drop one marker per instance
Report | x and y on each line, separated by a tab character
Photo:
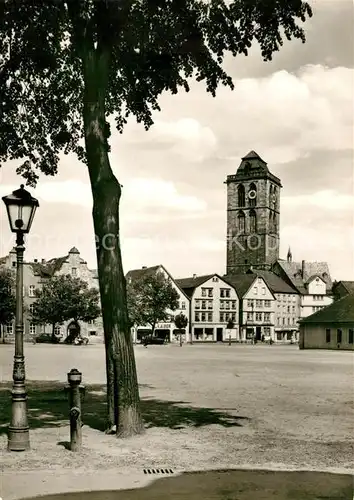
153	340
46	338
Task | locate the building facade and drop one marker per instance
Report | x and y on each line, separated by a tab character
213	302
256	309
253	216
312	281
330	328
287	307
35	274
166	327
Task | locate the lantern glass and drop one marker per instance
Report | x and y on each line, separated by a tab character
21	208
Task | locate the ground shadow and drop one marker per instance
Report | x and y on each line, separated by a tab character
48	407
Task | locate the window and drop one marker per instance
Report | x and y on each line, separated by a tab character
267	303
288	309
241	222
204	292
263	290
253	222
210	304
222	304
91	322
203	316
249	303
74	271
31	308
258	316
253	199
57	330
197	304
259	304
9	329
241	198
196	316
32	329
255	290
215	279
233	304
222	292
267	317
14	263
222	317
210	292
250	316
339	336
31	289
328	335
210	317
183	305
203	304
350	336
227	304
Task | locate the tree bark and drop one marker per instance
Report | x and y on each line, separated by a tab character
124	415
53	332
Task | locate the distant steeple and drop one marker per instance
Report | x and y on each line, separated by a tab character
289	257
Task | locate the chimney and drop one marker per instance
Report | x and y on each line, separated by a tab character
43	261
144	267
35	261
303	269
194	276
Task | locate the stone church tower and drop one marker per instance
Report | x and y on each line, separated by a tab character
253	196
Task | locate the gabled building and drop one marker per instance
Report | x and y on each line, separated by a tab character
330	328
312	280
167	328
213	301
257	306
35	274
287	307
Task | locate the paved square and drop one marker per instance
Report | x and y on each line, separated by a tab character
238	406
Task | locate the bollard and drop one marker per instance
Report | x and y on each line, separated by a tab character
74	379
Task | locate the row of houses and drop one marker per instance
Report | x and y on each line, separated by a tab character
262	304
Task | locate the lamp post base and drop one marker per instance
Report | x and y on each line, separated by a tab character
18	439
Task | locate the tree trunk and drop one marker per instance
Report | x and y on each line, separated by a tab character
124	416
53	332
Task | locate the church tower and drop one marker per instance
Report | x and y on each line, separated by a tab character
253	204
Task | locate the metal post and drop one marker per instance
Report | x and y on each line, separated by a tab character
74	379
229	339
18	432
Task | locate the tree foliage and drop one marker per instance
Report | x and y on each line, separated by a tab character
67	65
7	297
63	298
150	46
181	321
230	324
151	299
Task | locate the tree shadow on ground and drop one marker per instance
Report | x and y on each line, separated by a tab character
48	407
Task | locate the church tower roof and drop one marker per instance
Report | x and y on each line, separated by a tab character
252	167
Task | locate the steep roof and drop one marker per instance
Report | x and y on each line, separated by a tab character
274	282
348	285
340	311
252	155
240	282
136	274
293	270
74	250
253	167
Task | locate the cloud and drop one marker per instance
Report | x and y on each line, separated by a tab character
327	200
144	193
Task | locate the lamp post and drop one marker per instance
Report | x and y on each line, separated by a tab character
20	208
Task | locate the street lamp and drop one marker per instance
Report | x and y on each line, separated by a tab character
20	208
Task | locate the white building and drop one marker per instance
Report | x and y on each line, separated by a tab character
312	280
213	301
257	307
287	307
166	327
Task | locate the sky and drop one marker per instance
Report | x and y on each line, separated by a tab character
296	112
